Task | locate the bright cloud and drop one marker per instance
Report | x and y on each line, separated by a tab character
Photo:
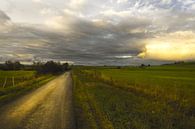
38	1
173	46
122	1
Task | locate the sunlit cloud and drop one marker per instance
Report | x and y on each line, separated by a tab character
168	51
174	46
77	4
55	22
124	56
122	1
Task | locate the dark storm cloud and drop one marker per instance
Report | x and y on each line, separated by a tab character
4	21
86	42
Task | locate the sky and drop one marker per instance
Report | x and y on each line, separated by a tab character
98	32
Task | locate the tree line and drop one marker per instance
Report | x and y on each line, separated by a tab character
41	67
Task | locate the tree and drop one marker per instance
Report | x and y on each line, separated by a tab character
65	66
11	65
50	67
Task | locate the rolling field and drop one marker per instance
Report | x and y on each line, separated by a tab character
16	83
158	97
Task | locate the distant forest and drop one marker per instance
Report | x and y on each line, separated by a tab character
41	67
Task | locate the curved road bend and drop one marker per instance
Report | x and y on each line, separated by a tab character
48	107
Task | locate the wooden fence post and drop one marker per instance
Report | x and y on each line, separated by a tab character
13	81
4	84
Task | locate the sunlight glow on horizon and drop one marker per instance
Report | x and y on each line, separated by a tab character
168	51
174	46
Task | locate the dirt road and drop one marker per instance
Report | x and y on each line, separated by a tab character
49	107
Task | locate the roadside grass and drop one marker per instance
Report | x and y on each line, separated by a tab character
87	113
160	97
24	82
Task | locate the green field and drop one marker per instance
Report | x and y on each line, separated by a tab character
158	97
16	83
18	76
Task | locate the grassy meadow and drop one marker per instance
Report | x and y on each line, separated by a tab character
16	83
157	97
